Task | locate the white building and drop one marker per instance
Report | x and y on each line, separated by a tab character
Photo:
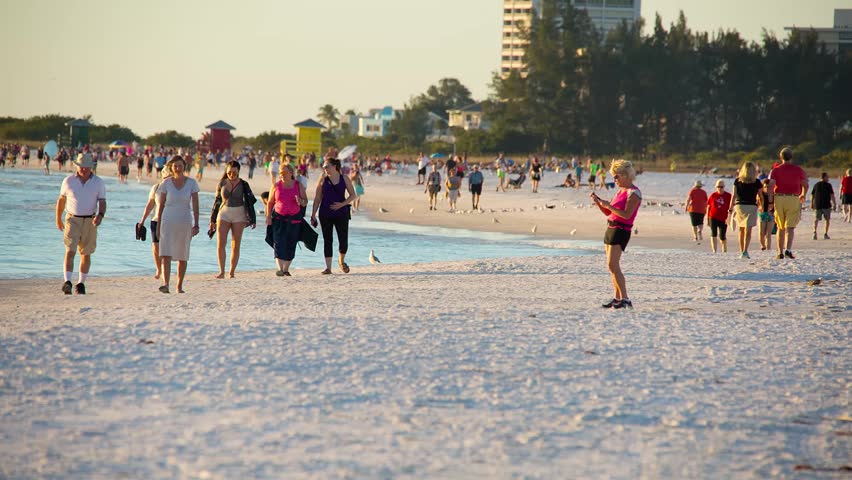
838	39
376	123
518	15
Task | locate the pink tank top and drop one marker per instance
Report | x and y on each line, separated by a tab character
285	199
619	201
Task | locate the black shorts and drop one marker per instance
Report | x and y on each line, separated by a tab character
592	179
697	218
846	199
123	170
718	229
617	236
536	177
154	237
434	189
422	171
476	188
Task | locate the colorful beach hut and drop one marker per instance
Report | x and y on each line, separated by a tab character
220	136
309	137
79	131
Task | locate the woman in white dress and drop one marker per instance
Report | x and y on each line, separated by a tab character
178	214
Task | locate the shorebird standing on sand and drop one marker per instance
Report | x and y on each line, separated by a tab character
373	258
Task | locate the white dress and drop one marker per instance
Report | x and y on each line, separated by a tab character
177	220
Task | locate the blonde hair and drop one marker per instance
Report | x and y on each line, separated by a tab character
288	167
171	163
623	168
748	173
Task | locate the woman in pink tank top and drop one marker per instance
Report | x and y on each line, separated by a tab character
284	215
621	213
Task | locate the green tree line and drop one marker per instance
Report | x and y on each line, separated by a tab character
673	91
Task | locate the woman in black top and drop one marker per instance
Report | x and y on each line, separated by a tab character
535	174
746	198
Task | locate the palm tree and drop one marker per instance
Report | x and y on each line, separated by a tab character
328	114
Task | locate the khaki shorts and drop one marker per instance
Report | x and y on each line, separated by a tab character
788	211
746	215
232	214
80	234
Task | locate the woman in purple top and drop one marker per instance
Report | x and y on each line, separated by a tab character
621	213
333	203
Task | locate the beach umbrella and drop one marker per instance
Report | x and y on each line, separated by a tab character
51	148
437	155
347	152
118	144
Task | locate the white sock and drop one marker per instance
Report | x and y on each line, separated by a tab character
83	277
68	276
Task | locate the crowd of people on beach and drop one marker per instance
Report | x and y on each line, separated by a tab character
771	201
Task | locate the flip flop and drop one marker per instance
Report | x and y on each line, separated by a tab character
164	288
326	272
344	267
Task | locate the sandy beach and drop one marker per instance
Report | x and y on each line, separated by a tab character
497	368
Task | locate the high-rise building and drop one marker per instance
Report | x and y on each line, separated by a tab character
518	14
837	40
608	14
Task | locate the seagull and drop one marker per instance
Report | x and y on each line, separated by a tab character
373	259
534	228
573	232
382	210
635	231
411	210
494	220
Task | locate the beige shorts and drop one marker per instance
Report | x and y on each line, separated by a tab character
746	215
80	234
788	211
232	215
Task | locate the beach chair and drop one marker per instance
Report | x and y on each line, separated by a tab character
518	182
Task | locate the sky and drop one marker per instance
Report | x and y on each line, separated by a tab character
260	65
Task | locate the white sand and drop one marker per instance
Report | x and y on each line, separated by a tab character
497	369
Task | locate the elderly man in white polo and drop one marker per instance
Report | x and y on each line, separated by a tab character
82	199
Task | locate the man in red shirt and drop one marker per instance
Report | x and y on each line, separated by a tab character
696	206
790	184
718	210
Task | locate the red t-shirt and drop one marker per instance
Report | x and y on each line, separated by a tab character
697	201
718	206
788	179
846	185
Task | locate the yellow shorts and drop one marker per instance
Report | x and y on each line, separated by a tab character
788	211
80	234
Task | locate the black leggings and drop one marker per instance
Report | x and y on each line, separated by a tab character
341	224
722	228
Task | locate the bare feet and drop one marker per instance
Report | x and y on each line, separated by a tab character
220	275
231	275
157	276
180	290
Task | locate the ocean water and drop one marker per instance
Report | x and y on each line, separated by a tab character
32	247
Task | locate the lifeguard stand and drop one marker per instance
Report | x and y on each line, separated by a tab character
220	136
309	137
79	132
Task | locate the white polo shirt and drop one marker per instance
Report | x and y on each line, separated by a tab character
82	199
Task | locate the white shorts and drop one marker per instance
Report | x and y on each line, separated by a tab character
232	214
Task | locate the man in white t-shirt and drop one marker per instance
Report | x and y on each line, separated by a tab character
83	200
422	162
272	171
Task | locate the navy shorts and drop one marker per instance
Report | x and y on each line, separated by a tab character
154	237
